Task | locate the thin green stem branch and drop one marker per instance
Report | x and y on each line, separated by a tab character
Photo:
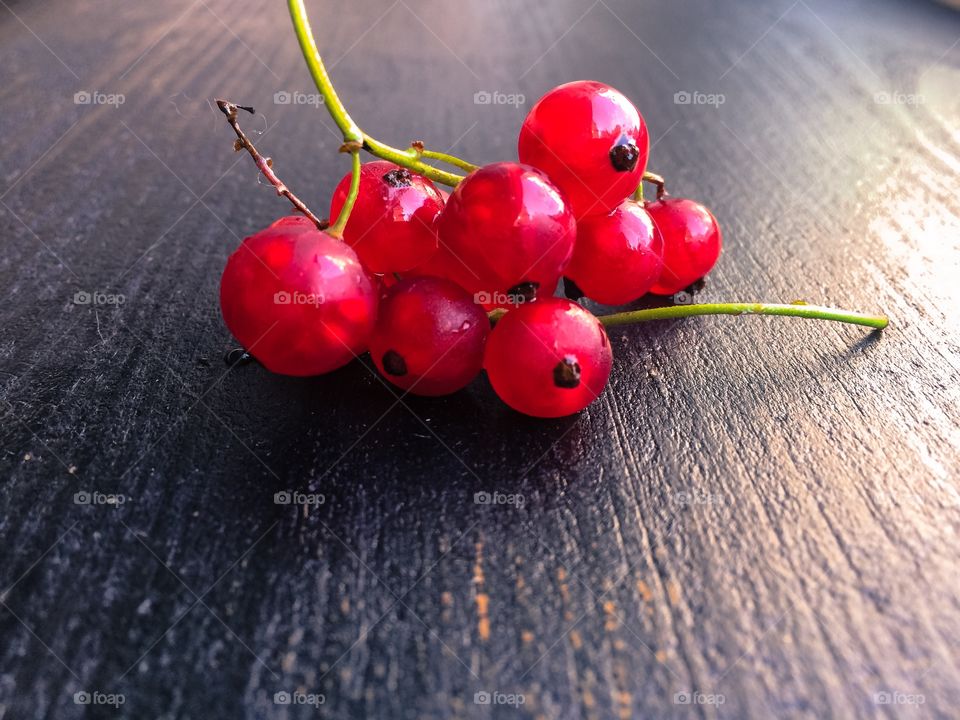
308	46
337	228
410	158
450	160
816	312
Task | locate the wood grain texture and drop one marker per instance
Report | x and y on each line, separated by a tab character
763	510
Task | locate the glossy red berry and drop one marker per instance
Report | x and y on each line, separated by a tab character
429	336
393	223
549	358
298	299
618	257
691	242
507	232
590	140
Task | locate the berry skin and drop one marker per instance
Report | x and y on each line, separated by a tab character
590	140
549	358
429	336
618	257
691	242
298	299
506	231
393	223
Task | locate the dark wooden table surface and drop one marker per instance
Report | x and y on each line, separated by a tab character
759	517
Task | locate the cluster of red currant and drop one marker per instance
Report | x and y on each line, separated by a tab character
410	273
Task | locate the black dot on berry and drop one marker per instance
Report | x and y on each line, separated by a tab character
398	178
566	373
524	292
394	364
624	155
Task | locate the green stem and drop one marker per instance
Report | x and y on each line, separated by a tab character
450	160
817	312
308	46
337	228
410	158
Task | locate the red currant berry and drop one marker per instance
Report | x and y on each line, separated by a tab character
393	224
429	336
297	299
691	242
618	257
507	231
549	358
590	140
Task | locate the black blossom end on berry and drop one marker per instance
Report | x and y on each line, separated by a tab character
566	373
524	292
398	178
624	155
394	364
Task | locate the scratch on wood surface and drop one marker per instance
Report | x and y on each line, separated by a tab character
622	698
673	592
482	599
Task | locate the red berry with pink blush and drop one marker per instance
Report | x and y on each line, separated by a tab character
297	299
429	336
625	239
393	225
510	232
591	141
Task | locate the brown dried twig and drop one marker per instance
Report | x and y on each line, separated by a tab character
265	165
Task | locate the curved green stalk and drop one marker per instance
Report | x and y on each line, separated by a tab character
337	228
450	160
410	158
816	312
